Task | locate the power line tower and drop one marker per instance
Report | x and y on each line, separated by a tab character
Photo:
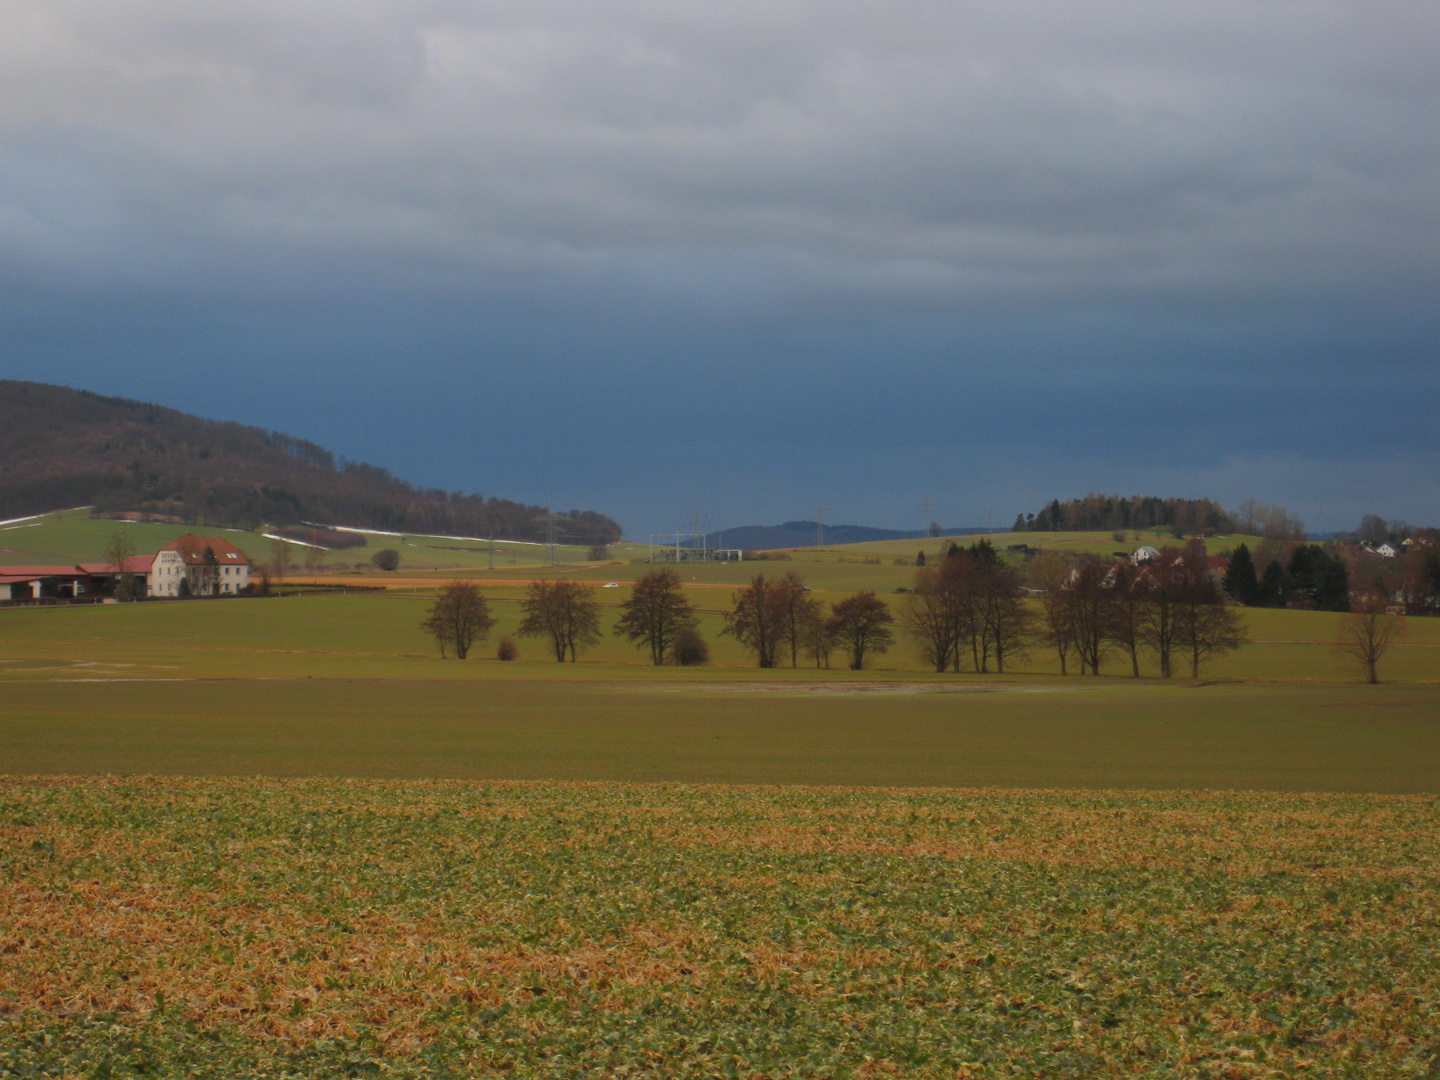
699	520
552	522
929	511
820	525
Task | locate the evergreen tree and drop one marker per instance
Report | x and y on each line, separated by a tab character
1241	581
1271	592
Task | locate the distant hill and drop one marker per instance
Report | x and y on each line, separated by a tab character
61	447
794	534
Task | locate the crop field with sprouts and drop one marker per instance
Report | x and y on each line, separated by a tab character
351	928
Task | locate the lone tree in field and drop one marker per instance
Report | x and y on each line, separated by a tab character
459	617
656	614
759	620
861	624
566	612
387	559
1367	632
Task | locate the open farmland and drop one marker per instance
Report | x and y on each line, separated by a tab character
283	837
331	928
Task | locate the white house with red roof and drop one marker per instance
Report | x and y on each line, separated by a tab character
193	565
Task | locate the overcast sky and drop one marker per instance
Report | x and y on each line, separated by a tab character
750	257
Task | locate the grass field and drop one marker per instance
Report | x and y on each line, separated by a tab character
340	928
348	685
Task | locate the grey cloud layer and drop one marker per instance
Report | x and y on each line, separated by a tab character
934	156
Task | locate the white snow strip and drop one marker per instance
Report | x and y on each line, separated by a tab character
422	536
37	517
297	543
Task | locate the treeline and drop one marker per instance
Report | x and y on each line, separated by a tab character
1112	512
61	448
971	607
1330	578
971	612
1179	517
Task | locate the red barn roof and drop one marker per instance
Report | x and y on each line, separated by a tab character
30	573
134	564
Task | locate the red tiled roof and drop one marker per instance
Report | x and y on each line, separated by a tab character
134	564
192	549
30	573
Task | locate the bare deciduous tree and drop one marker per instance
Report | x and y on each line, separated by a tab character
758	620
459	617
797	610
1367	633
861	623
566	612
656	613
1127	613
928	614
117	551
1160	587
1049	575
1090	603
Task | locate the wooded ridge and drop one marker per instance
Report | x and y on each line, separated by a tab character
61	447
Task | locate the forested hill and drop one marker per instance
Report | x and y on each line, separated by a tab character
61	447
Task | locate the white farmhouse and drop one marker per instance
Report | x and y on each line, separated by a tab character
199	566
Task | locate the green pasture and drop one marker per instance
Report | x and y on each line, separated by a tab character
349	685
73	536
210	928
773	730
377	634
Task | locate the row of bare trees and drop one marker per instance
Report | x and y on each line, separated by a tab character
970	612
771	617
566	615
1172	606
968	609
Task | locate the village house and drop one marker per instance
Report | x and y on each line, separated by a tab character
199	566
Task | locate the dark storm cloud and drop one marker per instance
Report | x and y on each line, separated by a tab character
1049	205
